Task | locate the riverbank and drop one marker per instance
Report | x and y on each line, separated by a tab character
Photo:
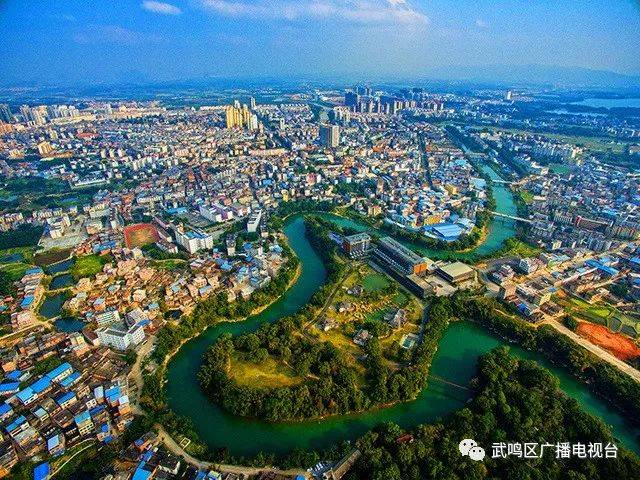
255	311
153	397
362	378
453	366
603	376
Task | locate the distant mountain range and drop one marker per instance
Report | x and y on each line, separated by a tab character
536	74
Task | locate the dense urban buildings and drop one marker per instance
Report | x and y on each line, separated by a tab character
137	213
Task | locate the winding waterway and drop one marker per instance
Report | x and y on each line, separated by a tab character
455	361
498	231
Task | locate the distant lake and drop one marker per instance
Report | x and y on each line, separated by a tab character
610	102
564	111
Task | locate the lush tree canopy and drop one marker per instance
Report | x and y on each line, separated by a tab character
515	401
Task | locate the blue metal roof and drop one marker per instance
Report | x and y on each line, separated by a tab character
41	384
28	300
53	442
41	472
113	392
141	473
82	417
25	395
96	410
5	408
608	270
15	375
16	423
9	387
65	397
59	370
70	380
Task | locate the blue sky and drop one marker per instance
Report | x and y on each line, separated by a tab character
111	41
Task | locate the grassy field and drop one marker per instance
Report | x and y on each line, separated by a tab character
171	264
377	300
514	247
89	265
269	373
560	168
17	254
527	197
583	310
9	274
374	282
15	271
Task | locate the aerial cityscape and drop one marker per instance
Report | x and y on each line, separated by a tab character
319	240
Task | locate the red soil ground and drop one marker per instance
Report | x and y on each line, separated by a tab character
617	344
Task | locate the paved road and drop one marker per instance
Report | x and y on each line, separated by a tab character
9	337
176	449
91	442
136	374
327	304
596	350
601	353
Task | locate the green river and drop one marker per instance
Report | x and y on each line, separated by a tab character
455	361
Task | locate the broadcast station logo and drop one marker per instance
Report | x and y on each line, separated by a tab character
469	448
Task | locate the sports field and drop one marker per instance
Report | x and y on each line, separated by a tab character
140	234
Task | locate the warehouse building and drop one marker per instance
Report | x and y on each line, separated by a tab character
456	273
401	258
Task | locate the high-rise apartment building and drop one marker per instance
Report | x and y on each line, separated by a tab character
330	135
241	118
5	113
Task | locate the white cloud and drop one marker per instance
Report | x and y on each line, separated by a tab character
112	34
482	23
161	7
359	11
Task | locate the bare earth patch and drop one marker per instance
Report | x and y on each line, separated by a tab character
619	345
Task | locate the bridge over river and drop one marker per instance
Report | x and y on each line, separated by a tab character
510	217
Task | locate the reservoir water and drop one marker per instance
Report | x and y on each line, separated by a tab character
69	324
610	102
61	281
59	267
